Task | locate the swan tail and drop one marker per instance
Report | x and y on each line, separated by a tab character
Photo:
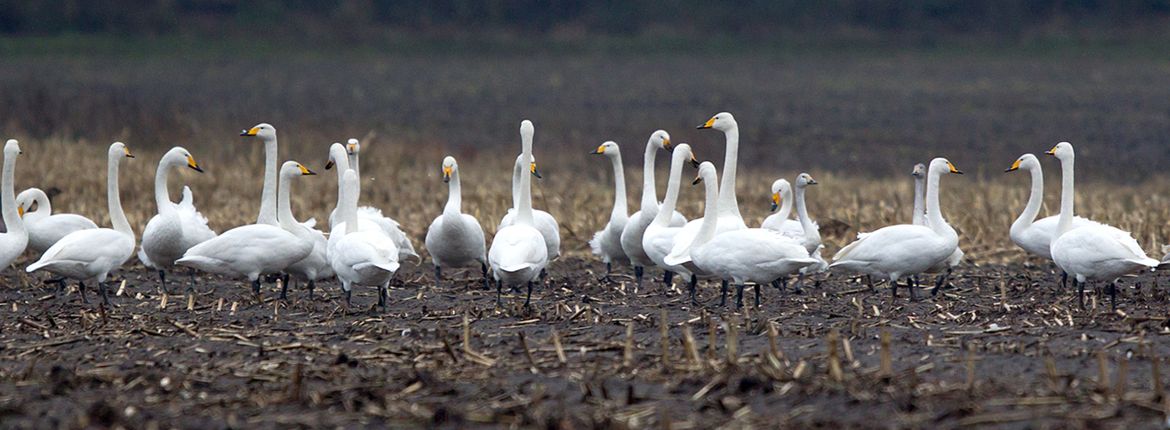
1148	262
145	259
37	266
388	266
595	243
677	260
513	268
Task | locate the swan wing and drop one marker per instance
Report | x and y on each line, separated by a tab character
87	247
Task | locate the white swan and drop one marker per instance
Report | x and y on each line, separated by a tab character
256	249
810	235
781	220
455	239
607	243
660	235
902	250
1095	252
543	221
747	255
945	267
636	226
1027	232
15	240
44	227
176	227
728	204
92	254
361	257
518	253
313	267
392	228
267	134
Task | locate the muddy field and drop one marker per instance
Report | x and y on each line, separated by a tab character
1001	347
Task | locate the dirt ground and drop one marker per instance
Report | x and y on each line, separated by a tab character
1002	347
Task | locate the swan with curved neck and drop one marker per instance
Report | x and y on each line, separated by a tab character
607	243
267	134
92	254
544	222
660	236
455	239
1095	252
631	239
360	257
518	253
44	227
15	240
176	227
255	249
391	227
740	256
898	251
780	220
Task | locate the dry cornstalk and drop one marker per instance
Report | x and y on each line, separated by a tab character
1122	377
466	333
887	365
527	351
162	302
556	340
1102	372
628	350
190	302
834	359
1156	373
692	349
711	337
732	343
664	336
970	359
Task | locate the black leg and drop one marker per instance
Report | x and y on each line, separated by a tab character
312	286
739	296
191	272
869	281
797	289
528	298
693	286
757	295
499	291
608	271
438	276
776	285
942	282
638	270
543	275
162	279
1063	280
382	297
667	278
1113	295
723	294
81	289
913	293
256	287
284	288
348	297
1080	291
284	279
486	285
102	291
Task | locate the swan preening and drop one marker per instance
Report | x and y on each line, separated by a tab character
45	227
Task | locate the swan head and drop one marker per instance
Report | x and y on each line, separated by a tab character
526	129
722	121
1026	162
352	146
661	139
292	169
780	188
262	130
531	166
919	171
1063	151
804	180
682	152
26	199
178	156
117	149
609	149
11	148
449	167
706	173
942	165
337	151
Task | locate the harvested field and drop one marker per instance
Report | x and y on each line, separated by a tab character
1002	347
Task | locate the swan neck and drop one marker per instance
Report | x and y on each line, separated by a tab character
162	197
919	215
649	190
349	207
785	205
933	212
1067	196
44	207
454	195
802	215
710	216
517	170
268	196
8	197
117	215
1035	200
524	213
341	165
284	204
620	210
728	204
671	199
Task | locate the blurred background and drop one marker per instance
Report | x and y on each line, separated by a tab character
854	88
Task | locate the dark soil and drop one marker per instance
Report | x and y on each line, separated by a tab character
1002	347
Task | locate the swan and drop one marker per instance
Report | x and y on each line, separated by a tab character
357	256
636	226
267	134
543	221
389	225
660	235
746	255
518	253
1027	232
455	239
92	254
728	205
44	227
15	239
608	242
946	267
316	265
176	227
1095	252
810	234
897	251
779	220
256	249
